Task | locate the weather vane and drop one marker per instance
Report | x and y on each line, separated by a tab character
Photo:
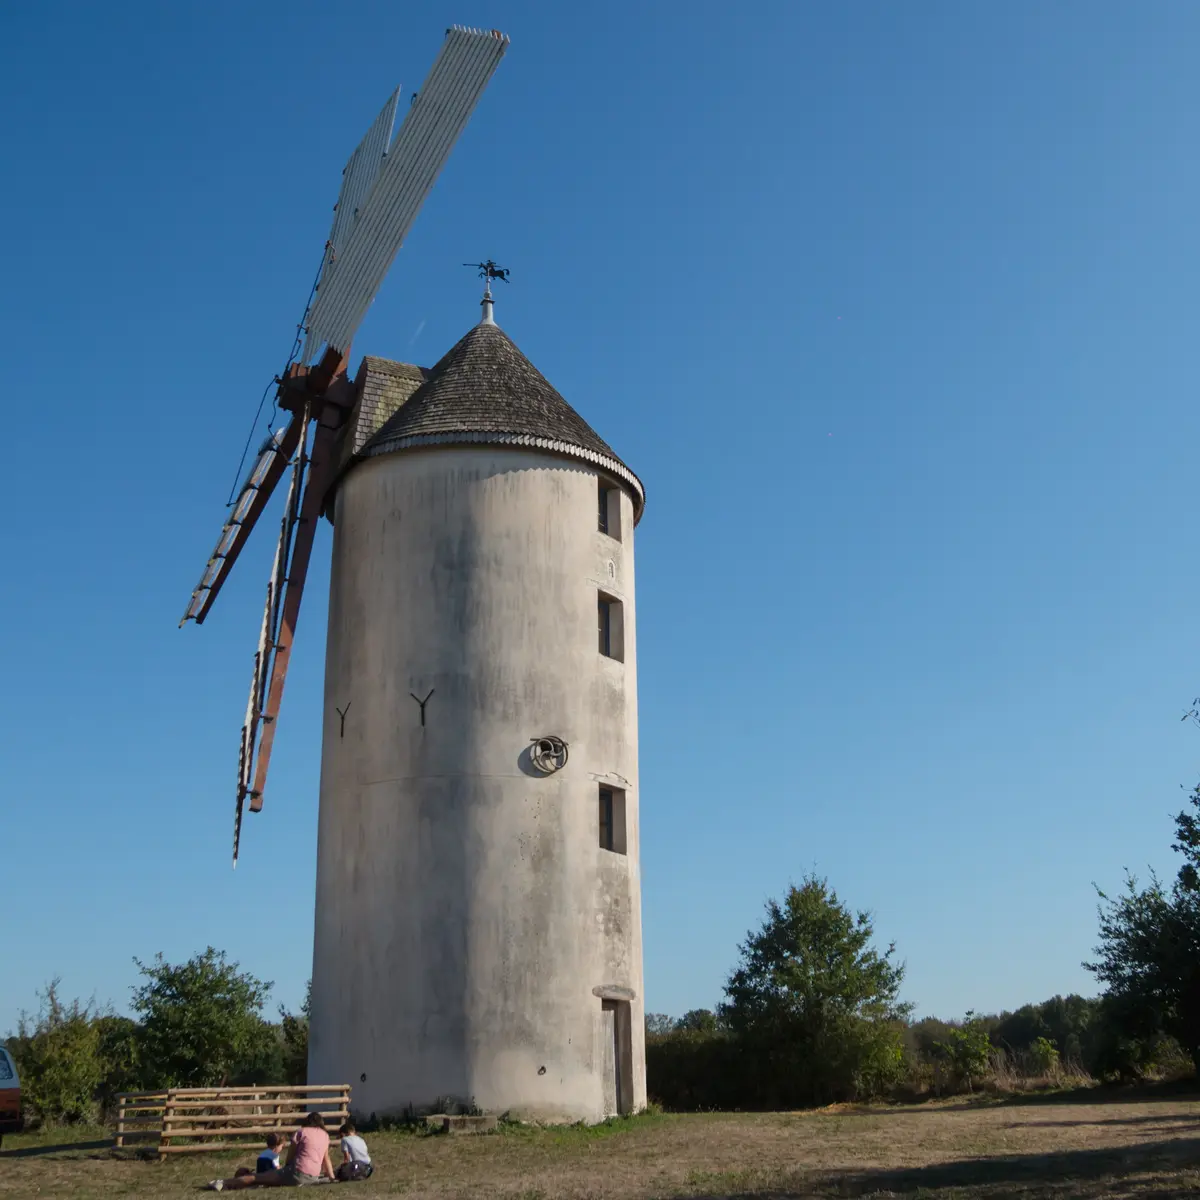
489	271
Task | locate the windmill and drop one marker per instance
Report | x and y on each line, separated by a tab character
383	187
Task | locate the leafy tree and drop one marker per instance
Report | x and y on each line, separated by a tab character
1149	960
58	1057
698	1020
1187	843
924	1036
813	1004
659	1025
201	1020
294	1035
1129	1041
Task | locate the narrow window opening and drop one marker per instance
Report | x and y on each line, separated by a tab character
610	627
612	820
605	627
609	511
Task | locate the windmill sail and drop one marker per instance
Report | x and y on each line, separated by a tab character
264	474
438	114
361	171
271	669
268	641
358	178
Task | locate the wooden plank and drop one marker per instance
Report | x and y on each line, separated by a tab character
163	1140
184	1106
253	1136
210	1118
283	1089
331	1120
227	1132
212	1131
210	1147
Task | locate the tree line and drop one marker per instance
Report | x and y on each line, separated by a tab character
812	1015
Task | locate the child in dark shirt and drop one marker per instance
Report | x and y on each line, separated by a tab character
268	1159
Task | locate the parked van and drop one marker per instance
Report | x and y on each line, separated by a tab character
10	1095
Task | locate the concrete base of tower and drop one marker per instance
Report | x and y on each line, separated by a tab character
593	1075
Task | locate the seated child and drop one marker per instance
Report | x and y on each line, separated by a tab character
268	1159
356	1159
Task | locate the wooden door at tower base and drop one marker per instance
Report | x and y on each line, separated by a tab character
615	1043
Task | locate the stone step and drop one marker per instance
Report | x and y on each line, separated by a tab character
464	1124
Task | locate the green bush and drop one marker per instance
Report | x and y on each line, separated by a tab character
120	1059
58	1055
688	1071
967	1052
1043	1056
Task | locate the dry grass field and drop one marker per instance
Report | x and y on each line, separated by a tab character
1083	1146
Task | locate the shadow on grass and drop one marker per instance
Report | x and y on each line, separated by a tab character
1067	1175
1097	1094
60	1148
1100	1119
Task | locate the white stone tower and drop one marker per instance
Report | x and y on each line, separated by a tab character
478	923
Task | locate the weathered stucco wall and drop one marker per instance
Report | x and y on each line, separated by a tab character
471	934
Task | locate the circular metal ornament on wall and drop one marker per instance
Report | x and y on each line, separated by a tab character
548	754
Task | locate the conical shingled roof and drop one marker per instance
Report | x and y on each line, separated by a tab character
484	390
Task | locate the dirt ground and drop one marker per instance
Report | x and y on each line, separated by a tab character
1085	1146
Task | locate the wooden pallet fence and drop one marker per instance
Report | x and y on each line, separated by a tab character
204	1119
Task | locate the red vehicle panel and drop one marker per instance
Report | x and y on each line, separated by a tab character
10	1095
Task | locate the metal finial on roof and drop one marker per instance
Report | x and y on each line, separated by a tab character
489	271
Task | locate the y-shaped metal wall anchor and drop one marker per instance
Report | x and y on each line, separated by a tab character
421	702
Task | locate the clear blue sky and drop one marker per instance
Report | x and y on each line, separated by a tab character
893	307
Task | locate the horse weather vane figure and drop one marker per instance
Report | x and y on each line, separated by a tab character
383	187
489	271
